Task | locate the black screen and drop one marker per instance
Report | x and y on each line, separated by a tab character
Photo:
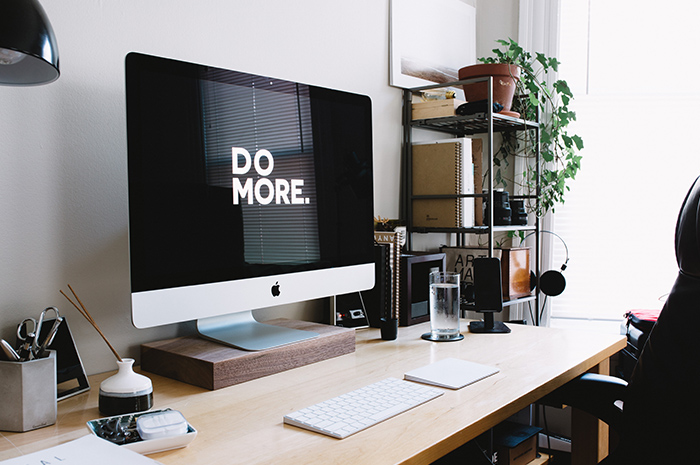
234	175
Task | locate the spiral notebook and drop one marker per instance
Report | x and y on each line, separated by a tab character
443	167
451	373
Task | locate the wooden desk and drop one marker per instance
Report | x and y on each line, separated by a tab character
243	423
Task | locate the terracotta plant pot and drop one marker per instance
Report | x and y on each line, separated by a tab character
504	82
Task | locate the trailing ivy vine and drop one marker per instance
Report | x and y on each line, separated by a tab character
536	97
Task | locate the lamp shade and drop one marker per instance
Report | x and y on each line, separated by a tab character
28	50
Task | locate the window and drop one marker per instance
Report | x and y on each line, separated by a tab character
634	72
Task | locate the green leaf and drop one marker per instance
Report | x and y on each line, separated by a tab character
562	87
554	64
532	87
545	138
533	100
542	59
568	142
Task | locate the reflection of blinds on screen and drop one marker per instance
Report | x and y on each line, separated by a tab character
251	115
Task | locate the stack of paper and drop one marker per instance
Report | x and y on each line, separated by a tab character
88	450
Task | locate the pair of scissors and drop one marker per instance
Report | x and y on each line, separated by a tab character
30	347
26	333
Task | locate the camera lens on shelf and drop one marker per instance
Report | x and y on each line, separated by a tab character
501	208
519	214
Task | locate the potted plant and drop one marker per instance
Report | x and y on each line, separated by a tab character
505	78
534	97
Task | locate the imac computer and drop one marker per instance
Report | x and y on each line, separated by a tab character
245	192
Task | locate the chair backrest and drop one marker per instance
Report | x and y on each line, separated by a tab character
662	411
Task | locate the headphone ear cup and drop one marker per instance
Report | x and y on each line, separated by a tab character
552	283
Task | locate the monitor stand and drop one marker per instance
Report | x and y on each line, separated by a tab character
244	332
488	325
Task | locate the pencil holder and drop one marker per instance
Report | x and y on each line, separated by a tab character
125	392
28	394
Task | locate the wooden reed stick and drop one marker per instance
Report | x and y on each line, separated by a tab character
83	311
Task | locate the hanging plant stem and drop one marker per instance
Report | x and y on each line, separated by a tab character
535	96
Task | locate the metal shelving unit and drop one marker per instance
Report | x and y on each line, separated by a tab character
486	123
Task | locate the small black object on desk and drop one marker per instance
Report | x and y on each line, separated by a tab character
389	328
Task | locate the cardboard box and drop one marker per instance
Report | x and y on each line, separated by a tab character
435	108
515	267
522	454
515	444
515	270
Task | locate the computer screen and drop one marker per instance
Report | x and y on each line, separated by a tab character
245	192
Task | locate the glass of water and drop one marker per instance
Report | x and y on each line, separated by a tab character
444	307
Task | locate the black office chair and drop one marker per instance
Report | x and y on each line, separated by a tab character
660	420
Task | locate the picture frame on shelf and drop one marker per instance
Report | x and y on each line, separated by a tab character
422	46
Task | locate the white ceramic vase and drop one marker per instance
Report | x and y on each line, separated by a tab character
126	391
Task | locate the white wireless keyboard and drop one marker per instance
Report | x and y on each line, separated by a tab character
349	413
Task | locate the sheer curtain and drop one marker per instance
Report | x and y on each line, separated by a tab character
633	69
538	31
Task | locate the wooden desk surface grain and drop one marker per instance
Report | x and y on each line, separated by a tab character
242	424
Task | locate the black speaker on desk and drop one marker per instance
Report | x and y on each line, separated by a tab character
488	296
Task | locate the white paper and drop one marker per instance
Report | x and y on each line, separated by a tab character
88	450
451	373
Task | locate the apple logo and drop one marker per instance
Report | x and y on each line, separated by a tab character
276	289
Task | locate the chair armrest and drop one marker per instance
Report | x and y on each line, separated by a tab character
594	394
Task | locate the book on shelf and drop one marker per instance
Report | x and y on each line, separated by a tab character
435	108
443	167
477	159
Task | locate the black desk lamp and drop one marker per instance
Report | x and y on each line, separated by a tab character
28	51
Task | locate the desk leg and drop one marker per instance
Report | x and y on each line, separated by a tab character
589	436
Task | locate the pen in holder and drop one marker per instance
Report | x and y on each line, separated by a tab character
28	393
126	391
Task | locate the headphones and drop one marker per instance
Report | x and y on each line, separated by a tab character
552	282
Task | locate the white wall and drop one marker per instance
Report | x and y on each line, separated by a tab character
63	205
